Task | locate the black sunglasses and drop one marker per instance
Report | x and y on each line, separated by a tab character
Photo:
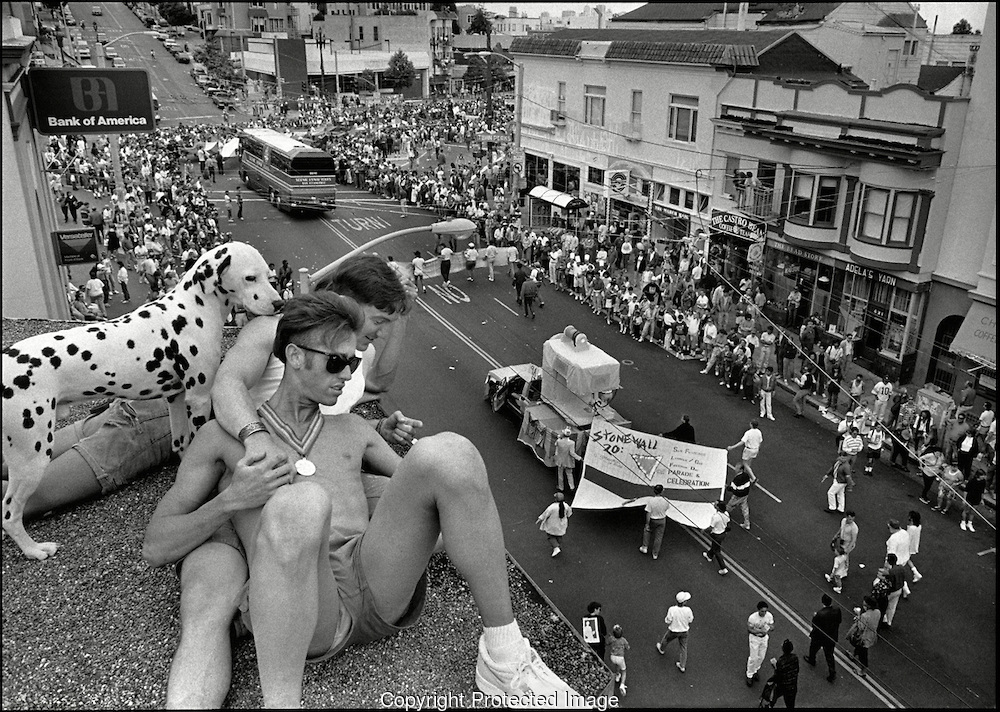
335	363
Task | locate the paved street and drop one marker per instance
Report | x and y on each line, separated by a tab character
941	651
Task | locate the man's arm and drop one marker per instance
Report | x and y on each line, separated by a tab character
188	514
240	370
388	349
379	458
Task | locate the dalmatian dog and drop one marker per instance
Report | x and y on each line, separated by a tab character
169	347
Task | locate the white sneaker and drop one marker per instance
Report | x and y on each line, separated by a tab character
623	689
643	550
555	552
962	524
770	417
917	577
527	678
970	527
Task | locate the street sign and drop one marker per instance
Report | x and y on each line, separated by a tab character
79	100
75	247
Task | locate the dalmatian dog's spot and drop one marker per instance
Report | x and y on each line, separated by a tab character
169	347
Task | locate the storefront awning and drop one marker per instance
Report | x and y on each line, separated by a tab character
977	337
560	200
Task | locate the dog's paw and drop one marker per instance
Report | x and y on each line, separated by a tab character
41	550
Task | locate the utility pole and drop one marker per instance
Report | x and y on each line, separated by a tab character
322	70
489	84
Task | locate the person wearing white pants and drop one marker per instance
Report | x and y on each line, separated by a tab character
836	500
767	384
759	624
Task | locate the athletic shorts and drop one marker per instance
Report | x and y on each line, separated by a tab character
618	660
360	621
131	436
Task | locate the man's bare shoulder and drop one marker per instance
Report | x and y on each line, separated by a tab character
212	442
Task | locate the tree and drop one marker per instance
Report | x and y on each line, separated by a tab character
400	72
962	27
366	81
476	73
480	24
176	13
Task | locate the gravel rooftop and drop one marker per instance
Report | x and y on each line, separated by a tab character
95	627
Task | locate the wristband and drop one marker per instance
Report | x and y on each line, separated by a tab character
250	429
378	426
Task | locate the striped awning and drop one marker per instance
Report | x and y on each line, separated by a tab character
557	198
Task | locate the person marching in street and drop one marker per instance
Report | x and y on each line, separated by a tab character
491	258
948	482
863	632
804	384
740	488
876	438
842	482
566	459
445	258
618	645
824	634
529	291
852	444
839	570
759	625
471	254
418	263
882	392
768	381
898	543
894	576
678	619
751	442
846	538
656	519
913	531
786	674
974	489
716	531
554	522
594	611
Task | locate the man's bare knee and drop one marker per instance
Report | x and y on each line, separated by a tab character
292	521
212	580
449	459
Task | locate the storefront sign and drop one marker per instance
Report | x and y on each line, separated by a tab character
799	252
664	212
738	226
74	247
74	100
872	274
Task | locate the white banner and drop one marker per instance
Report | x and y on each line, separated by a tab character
622	463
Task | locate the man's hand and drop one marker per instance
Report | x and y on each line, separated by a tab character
397	428
256	478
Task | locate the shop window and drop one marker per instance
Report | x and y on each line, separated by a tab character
683	121
814	199
593	105
595	175
887	217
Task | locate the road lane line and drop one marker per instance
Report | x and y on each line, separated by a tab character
804	626
505	306
338	232
757	485
458	333
987	551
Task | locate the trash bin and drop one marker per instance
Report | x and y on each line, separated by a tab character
932	398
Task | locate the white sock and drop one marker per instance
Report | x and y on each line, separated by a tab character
504	642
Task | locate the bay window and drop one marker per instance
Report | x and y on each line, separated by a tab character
887	217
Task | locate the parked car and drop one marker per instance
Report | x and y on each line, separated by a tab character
224	99
70	20
169	43
110	53
96	10
37	59
118	62
160	35
203	80
183	57
83	52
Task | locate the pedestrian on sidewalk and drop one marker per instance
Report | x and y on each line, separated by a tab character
518	279
740	488
824	634
836	499
863	632
804	383
882	392
759	625
948	484
678	619
974	490
239	203
595	629
618	645
566	459
876	438
471	254
751	442
491	258
123	281
656	519
716	531
554	522
786	674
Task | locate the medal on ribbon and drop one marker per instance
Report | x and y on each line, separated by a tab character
303	466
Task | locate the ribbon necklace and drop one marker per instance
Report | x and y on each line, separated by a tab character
303	445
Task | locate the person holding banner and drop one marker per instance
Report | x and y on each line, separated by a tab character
566	459
656	519
751	442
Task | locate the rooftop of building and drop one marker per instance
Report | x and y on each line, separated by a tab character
934	78
687	11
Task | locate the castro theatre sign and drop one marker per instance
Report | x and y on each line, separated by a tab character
83	100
